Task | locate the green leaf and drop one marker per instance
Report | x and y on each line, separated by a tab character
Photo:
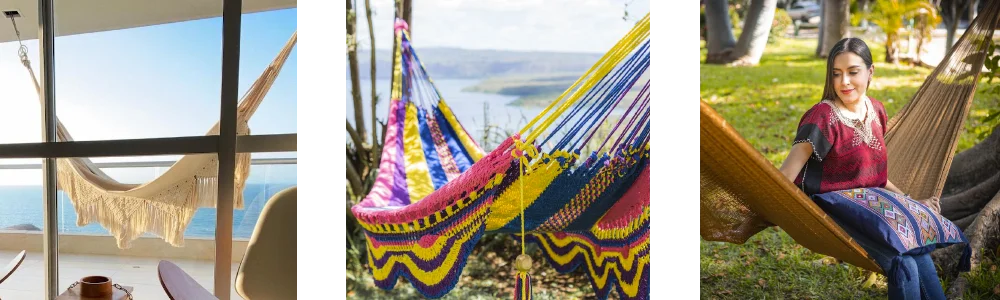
992	116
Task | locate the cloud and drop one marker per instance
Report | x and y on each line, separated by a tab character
525	25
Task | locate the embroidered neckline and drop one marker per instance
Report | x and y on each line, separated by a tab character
863	129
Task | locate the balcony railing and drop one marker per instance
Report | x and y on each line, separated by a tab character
197	246
150	164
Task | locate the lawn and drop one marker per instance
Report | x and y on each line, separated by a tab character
764	104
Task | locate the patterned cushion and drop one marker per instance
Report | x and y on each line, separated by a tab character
899	222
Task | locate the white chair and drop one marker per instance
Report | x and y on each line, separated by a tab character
268	267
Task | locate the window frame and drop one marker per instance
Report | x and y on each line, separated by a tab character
226	145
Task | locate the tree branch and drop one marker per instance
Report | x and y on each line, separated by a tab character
352	57
355	180
354	136
970	201
358	142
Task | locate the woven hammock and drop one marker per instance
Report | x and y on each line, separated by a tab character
165	205
591	210
742	193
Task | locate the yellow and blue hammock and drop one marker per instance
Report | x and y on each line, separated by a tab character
437	192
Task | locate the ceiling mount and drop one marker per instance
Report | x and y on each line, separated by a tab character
11	14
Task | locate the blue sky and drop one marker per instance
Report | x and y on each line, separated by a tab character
148	82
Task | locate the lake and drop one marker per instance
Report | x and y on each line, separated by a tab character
470	108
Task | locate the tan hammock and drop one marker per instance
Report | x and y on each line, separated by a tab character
742	192
165	205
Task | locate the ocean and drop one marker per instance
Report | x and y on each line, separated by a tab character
23	205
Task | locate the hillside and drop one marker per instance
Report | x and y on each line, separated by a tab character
455	63
539	90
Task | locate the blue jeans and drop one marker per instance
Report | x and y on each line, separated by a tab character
909	276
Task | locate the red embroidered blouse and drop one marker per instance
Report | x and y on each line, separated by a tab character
847	153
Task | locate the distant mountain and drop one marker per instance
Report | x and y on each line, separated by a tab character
456	63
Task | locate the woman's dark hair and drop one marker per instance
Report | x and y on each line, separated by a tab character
847	45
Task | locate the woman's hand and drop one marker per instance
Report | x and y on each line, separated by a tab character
934	203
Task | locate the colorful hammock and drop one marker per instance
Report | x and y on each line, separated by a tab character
591	210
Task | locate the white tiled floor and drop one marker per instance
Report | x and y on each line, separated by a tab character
28	282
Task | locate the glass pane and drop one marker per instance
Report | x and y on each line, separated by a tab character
269	175
97	245
20	112
139	82
161	80
263	36
20	228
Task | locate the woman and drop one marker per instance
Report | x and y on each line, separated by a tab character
840	145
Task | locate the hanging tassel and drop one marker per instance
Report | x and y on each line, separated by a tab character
522	286
522	264
965	262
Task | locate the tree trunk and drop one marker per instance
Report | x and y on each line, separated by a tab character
864	4
974	178
352	57
406	12
371	37
820	43
971	198
719	35
401	7
973	9
973	166
983	236
950	39
951	17
891	48
924	34
756	28
836	14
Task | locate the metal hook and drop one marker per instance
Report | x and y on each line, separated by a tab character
22	51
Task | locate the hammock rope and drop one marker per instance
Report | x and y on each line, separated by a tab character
632	68
742	193
592	214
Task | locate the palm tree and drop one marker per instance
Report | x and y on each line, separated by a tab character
890	15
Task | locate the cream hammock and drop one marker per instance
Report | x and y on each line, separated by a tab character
165	205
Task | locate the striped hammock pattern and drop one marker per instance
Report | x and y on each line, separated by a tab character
423	218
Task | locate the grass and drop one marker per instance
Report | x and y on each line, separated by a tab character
772	265
764	104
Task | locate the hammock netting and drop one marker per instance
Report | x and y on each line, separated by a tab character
742	193
165	205
437	192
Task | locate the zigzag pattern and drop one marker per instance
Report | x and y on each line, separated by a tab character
436	193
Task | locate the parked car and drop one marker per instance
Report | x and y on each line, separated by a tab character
804	11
